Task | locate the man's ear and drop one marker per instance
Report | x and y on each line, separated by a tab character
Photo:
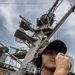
38	61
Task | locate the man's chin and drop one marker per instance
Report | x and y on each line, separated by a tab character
52	69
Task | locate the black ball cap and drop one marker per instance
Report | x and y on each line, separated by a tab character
56	45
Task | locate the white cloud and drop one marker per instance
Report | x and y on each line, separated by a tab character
8	13
70	32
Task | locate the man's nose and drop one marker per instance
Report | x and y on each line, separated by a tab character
54	55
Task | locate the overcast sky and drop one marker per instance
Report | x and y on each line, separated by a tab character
10	10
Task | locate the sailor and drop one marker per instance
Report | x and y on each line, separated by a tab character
52	60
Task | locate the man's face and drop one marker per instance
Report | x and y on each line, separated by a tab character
48	59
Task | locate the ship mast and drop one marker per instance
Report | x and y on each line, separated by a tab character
40	37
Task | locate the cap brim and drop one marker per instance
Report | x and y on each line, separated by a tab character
56	45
